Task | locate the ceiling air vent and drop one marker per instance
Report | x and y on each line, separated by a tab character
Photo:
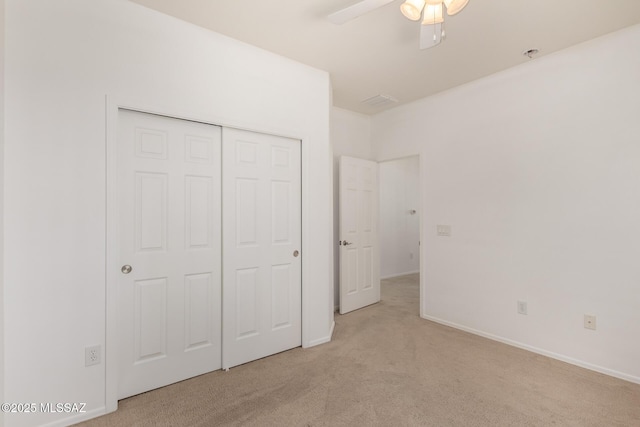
380	101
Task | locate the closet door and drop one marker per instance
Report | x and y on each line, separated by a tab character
169	237
261	246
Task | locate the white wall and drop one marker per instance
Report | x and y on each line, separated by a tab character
350	136
536	170
399	228
62	58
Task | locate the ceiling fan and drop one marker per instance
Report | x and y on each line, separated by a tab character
431	30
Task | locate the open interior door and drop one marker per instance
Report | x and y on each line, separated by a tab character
359	251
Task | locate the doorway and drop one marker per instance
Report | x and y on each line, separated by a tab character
399	213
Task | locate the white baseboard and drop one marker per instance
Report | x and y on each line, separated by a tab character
557	356
322	340
391	276
77	418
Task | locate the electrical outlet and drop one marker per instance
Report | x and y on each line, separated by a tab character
410	255
522	307
589	322
92	355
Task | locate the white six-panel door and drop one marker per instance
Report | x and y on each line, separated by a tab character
169	234
359	252
261	246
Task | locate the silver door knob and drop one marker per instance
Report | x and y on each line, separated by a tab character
296	253
345	243
126	269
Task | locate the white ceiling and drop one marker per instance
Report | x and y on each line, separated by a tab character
378	52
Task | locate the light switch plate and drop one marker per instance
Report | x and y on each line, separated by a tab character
444	230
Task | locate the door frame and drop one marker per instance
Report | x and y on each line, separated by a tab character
112	107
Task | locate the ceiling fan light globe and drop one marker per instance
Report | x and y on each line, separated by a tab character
412	9
433	2
433	15
455	6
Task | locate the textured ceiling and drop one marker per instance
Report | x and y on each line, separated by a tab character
378	53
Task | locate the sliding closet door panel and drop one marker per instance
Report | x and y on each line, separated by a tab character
169	203
261	246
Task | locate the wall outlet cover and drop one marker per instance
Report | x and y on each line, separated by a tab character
590	322
92	355
522	307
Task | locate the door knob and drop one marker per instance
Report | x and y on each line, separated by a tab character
126	269
345	243
296	253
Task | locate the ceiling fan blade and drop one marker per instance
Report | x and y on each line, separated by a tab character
356	10
427	33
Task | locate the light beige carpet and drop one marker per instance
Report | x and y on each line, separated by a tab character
387	367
